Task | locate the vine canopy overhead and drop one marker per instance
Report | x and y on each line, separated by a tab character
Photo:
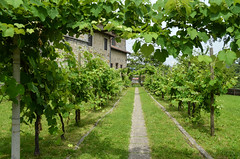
196	23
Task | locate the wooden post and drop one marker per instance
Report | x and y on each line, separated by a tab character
189	102
15	145
189	108
37	132
193	109
212	98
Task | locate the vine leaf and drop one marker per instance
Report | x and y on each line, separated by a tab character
148	36
187	50
53	12
39	12
161	56
227	56
136	46
204	58
147	49
138	2
8	32
14	3
236	1
19	25
203	36
217	2
160	41
192	32
238	42
235	9
30	31
230	29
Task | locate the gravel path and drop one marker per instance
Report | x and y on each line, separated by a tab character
139	144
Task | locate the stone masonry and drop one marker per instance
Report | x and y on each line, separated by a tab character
115	55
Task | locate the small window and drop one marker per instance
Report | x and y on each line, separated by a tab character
113	41
116	65
120	66
111	65
89	40
105	44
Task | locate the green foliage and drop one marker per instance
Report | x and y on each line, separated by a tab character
190	81
227	56
147	49
155	118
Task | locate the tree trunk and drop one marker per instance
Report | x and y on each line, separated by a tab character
63	126
179	105
77	116
189	109
212	98
162	95
193	109
15	145
140	79
37	131
212	115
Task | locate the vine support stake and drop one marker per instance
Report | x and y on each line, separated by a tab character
212	97
15	144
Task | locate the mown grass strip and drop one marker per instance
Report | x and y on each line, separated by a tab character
95	125
190	139
226	142
166	141
51	146
110	139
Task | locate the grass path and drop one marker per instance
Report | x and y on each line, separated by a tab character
166	141
226	142
51	146
110	139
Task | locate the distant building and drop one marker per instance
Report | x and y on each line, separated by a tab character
103	43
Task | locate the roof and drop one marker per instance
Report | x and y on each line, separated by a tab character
105	31
118	49
74	38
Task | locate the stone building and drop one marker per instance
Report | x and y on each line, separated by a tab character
103	43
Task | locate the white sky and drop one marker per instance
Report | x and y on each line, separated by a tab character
217	46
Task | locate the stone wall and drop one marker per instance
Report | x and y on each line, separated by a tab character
121	45
98	45
80	45
119	58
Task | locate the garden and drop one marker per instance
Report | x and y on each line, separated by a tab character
49	100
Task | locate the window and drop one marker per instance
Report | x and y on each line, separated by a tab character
120	66
111	65
116	65
89	40
113	41
105	44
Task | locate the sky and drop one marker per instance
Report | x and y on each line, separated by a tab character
217	46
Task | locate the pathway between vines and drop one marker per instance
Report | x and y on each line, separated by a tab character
139	145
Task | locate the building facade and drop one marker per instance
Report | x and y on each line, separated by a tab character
103	43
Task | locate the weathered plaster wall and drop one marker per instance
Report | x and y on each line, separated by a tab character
120	58
121	45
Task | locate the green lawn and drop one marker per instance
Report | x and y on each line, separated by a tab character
51	146
166	141
226	142
110	139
